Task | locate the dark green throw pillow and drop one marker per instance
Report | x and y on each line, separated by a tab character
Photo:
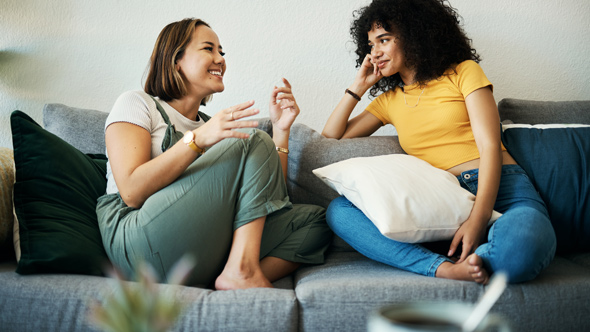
55	197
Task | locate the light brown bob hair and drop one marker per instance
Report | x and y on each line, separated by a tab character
163	80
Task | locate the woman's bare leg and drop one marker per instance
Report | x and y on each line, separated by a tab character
275	268
470	269
242	269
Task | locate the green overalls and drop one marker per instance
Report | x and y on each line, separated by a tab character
236	181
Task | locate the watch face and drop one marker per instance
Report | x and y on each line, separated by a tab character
188	137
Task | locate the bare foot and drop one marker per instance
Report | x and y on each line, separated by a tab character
470	269
242	279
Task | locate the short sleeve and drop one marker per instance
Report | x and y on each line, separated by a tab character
132	107
378	108
470	77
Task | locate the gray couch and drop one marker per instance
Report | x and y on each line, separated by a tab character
335	296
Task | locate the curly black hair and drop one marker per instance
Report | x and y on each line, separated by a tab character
429	31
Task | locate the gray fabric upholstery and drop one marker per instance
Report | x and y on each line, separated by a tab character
339	295
544	112
82	128
336	296
309	150
61	303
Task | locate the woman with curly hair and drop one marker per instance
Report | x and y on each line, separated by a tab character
416	57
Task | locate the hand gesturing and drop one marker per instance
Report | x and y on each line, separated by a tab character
283	107
222	124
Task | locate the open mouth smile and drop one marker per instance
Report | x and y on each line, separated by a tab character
216	73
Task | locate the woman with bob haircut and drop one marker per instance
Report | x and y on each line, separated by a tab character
414	57
181	182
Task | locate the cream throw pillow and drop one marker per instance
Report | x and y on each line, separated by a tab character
408	199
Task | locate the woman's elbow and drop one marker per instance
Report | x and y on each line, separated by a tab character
327	135
331	134
131	199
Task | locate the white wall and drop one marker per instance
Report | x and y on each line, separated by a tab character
85	53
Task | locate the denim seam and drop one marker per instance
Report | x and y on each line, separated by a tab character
434	266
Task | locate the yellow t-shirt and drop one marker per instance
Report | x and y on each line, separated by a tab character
438	129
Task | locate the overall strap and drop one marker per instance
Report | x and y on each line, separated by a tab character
161	110
172	135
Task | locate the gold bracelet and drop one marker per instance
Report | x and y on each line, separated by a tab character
354	95
283	150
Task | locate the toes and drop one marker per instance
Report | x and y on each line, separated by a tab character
480	277
478	273
474	259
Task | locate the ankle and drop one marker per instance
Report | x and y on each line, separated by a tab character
242	268
443	269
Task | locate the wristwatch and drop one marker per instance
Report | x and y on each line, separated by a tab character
189	139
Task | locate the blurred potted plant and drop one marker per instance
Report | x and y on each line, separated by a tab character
141	305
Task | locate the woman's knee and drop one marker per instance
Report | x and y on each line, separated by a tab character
526	247
258	135
318	233
345	219
257	139
337	209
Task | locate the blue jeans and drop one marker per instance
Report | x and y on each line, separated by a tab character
522	242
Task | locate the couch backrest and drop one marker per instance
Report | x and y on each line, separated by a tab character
310	150
544	112
84	129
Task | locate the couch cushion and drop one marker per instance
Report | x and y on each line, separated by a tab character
55	198
580	258
339	295
557	159
544	112
54	302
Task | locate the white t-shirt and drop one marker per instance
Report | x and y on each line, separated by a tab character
138	108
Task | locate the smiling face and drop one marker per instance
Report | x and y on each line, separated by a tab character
387	53
202	64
